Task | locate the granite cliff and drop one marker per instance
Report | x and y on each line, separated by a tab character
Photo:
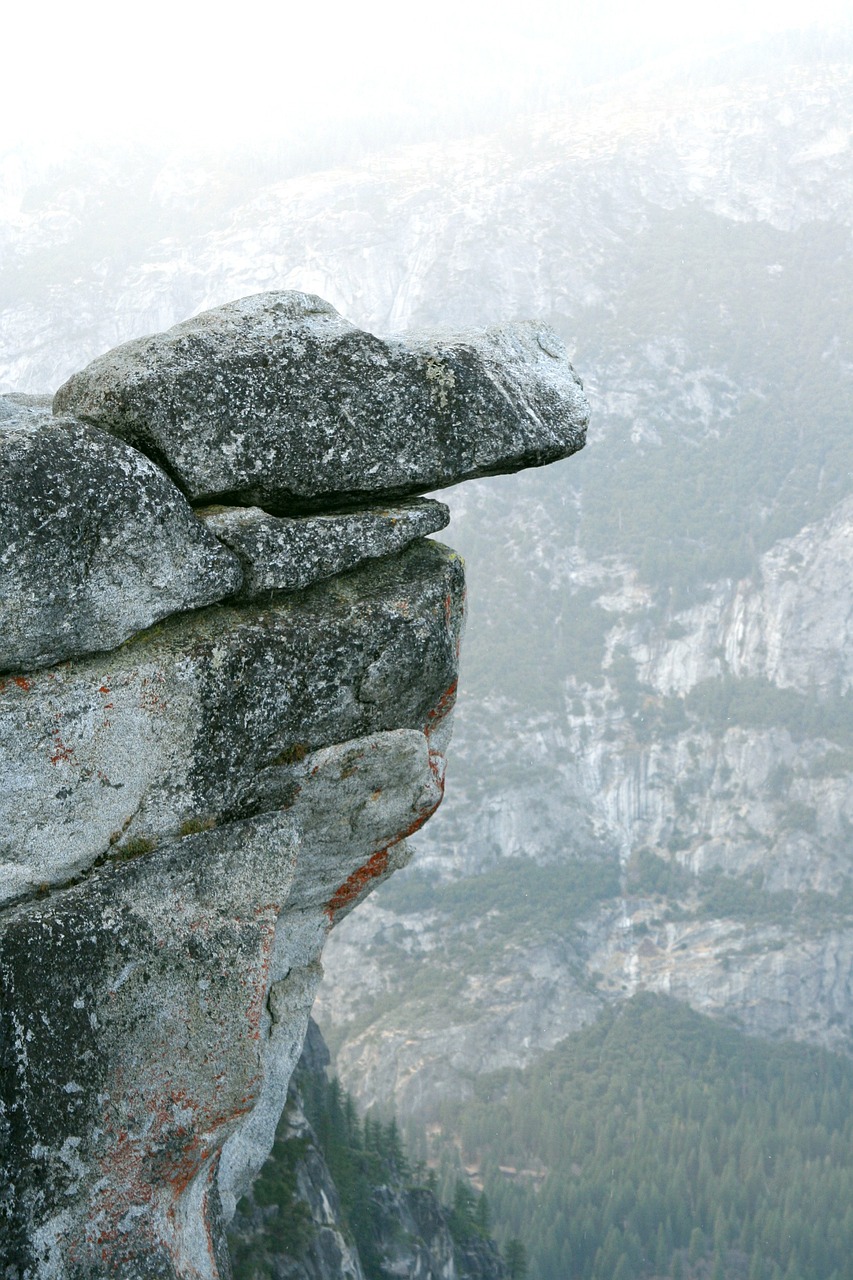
219	723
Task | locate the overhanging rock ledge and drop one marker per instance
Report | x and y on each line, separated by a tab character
217	728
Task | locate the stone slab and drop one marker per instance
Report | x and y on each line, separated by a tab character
277	401
203	719
282	553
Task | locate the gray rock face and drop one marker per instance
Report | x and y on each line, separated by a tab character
277	401
185	813
271	764
203	720
279	553
96	543
147	1053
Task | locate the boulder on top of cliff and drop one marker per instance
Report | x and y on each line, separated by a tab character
96	543
279	553
279	402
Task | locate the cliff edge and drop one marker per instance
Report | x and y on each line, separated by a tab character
227	670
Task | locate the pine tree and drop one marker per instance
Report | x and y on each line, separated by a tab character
516	1259
393	1149
623	1270
756	1267
696	1248
483	1216
661	1251
462	1212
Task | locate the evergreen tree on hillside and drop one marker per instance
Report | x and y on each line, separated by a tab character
670	1142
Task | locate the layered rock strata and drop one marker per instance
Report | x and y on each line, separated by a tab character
216	732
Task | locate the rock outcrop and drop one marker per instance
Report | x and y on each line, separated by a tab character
278	401
188	807
204	720
282	554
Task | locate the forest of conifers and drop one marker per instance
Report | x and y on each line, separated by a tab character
361	1157
659	1143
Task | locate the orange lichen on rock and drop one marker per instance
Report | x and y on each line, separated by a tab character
442	708
354	885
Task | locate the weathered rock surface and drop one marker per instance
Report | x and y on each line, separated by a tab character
187	811
147	1052
279	402
96	543
202	721
279	553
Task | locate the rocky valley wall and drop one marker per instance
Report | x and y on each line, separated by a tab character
700	776
218	724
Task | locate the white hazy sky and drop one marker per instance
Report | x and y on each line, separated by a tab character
174	71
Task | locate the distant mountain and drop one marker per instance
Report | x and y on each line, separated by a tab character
654	727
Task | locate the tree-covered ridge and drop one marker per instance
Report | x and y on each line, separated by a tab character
658	1143
286	1226
361	1156
369	1191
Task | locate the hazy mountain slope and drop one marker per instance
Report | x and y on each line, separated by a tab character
659	1144
529	220
664	624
